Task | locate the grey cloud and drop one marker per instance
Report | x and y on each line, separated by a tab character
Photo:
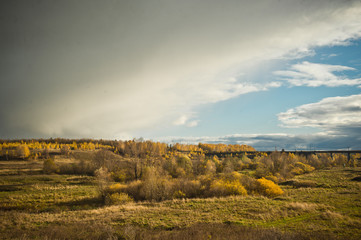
109	68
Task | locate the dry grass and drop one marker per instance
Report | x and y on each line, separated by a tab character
66	207
305	207
18	167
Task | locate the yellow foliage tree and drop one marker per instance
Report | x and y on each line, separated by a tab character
23	151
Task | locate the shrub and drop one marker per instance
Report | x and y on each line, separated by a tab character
340	160
217	188
233	176
249	183
179	194
235	188
117	199
133	189
119	175
190	188
117	187
268	188
65	150
301	168
305	167
153	187
210	167
80	167
220	188
185	163
297	171
272	178
49	166
103	178
156	188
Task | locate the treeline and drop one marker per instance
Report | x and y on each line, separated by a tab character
58	141
38	149
212	148
131	148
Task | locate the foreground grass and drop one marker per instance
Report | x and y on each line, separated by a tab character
324	204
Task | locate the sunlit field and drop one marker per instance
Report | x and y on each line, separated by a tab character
67	193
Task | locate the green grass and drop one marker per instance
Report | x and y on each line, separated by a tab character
67	206
39	193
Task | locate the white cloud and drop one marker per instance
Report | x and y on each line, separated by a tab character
181	120
186	120
116	67
338	118
193	123
316	74
329	113
211	91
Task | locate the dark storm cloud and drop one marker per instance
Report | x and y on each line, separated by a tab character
109	68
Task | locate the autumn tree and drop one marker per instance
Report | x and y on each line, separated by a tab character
185	164
23	151
65	150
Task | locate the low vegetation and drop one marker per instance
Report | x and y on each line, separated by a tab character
87	189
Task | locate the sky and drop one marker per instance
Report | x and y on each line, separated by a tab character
271	73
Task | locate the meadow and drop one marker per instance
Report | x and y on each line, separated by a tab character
57	196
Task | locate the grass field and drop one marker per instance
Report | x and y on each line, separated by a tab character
324	204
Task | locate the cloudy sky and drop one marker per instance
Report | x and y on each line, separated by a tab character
270	73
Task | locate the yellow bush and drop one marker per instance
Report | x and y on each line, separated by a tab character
236	175
268	188
305	167
117	187
119	176
179	194
272	178
217	188
226	188
117	199
297	171
235	188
